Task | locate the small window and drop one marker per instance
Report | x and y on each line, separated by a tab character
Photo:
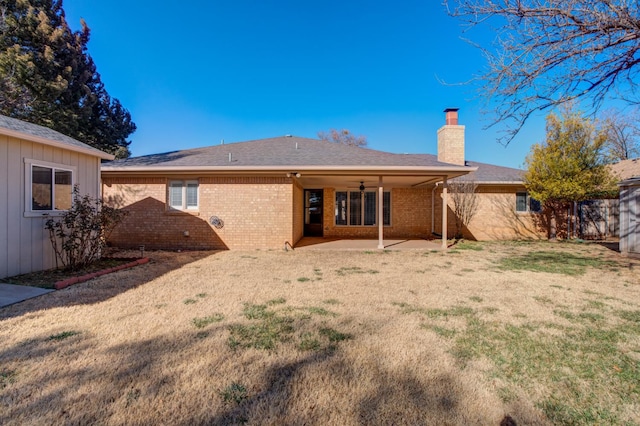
521	201
183	195
357	208
49	187
525	203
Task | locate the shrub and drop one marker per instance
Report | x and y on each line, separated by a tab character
80	234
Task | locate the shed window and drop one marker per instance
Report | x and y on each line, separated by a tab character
49	186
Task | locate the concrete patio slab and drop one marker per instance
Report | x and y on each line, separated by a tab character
10	293
317	243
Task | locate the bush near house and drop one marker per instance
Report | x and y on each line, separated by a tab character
80	234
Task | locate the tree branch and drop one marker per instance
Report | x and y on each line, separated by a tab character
548	53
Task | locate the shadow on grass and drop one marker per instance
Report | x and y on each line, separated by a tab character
131	383
555	262
611	245
107	286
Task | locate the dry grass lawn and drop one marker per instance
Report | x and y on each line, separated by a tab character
544	333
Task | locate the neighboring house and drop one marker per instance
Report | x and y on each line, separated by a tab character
626	169
266	193
629	172
38	168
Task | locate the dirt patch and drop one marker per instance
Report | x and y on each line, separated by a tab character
48	278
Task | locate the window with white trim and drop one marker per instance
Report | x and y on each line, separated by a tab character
183	195
48	187
525	203
356	208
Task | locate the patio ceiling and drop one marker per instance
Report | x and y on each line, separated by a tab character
353	181
369	176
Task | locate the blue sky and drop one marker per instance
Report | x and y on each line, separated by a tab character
196	73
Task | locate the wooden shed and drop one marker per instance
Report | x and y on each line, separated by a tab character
630	216
38	169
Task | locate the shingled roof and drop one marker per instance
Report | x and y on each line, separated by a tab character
488	173
290	151
33	132
294	152
626	169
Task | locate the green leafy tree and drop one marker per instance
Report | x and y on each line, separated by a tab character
569	166
48	78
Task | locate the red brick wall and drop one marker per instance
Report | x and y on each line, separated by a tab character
496	218
298	212
410	216
256	211
263	213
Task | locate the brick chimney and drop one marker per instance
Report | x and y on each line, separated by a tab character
451	139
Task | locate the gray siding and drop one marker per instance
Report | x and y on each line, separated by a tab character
630	219
24	243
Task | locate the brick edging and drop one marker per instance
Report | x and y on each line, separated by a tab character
75	280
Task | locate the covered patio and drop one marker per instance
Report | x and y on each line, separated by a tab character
322	230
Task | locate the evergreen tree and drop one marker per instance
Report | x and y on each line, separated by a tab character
569	166
48	78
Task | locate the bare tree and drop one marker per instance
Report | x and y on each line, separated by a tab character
343	136
623	134
548	52
465	203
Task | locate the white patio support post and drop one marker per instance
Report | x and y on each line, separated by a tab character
380	214
444	212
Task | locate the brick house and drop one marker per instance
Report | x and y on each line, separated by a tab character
38	169
271	192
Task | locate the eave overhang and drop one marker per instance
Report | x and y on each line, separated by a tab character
449	172
57	144
498	182
634	181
